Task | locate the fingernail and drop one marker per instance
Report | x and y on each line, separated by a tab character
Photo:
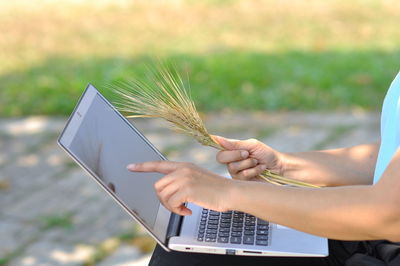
131	166
244	154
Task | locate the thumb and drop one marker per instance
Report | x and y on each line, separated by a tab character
228	144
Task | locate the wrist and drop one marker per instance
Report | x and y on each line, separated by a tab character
237	194
282	163
243	194
289	165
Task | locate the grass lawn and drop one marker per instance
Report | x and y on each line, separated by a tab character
264	55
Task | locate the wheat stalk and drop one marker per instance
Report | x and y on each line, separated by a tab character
162	94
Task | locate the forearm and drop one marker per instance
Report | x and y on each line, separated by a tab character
338	167
346	213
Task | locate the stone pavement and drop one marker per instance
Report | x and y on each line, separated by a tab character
51	213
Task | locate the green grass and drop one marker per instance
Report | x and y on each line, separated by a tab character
309	55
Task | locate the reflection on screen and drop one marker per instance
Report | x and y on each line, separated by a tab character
106	145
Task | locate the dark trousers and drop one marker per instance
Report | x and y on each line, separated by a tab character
339	252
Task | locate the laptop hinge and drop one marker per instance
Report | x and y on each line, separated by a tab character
174	226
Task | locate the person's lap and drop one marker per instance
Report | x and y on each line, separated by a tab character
339	251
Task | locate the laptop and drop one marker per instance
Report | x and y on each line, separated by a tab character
103	143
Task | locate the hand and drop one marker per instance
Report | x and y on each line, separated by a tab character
247	159
185	182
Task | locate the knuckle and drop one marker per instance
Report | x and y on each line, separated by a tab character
231	169
252	141
244	173
189	166
240	176
158	164
156	186
186	170
248	173
219	157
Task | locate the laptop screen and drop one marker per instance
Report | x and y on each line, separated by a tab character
104	143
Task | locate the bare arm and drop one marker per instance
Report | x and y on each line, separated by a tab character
359	212
349	213
246	159
337	167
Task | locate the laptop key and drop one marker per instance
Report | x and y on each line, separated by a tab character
249	232
236	234
262	232
200	238
210	239
236	240
259	221
262	242
225	234
222	240
211	231
213	222
225	225
212	226
261	237
262	227
224	229
248	240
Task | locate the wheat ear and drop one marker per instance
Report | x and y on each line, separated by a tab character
162	93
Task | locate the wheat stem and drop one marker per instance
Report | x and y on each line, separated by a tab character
162	94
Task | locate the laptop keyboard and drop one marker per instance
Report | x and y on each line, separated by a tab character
232	227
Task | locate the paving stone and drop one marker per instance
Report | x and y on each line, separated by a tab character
296	138
15	233
31	125
43	184
360	135
50	253
125	255
11	147
284	119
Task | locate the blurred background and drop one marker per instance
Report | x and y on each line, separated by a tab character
314	71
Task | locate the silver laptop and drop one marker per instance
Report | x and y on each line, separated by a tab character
103	142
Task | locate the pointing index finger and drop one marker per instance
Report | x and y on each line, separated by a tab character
164	167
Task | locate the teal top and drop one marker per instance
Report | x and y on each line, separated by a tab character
390	128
